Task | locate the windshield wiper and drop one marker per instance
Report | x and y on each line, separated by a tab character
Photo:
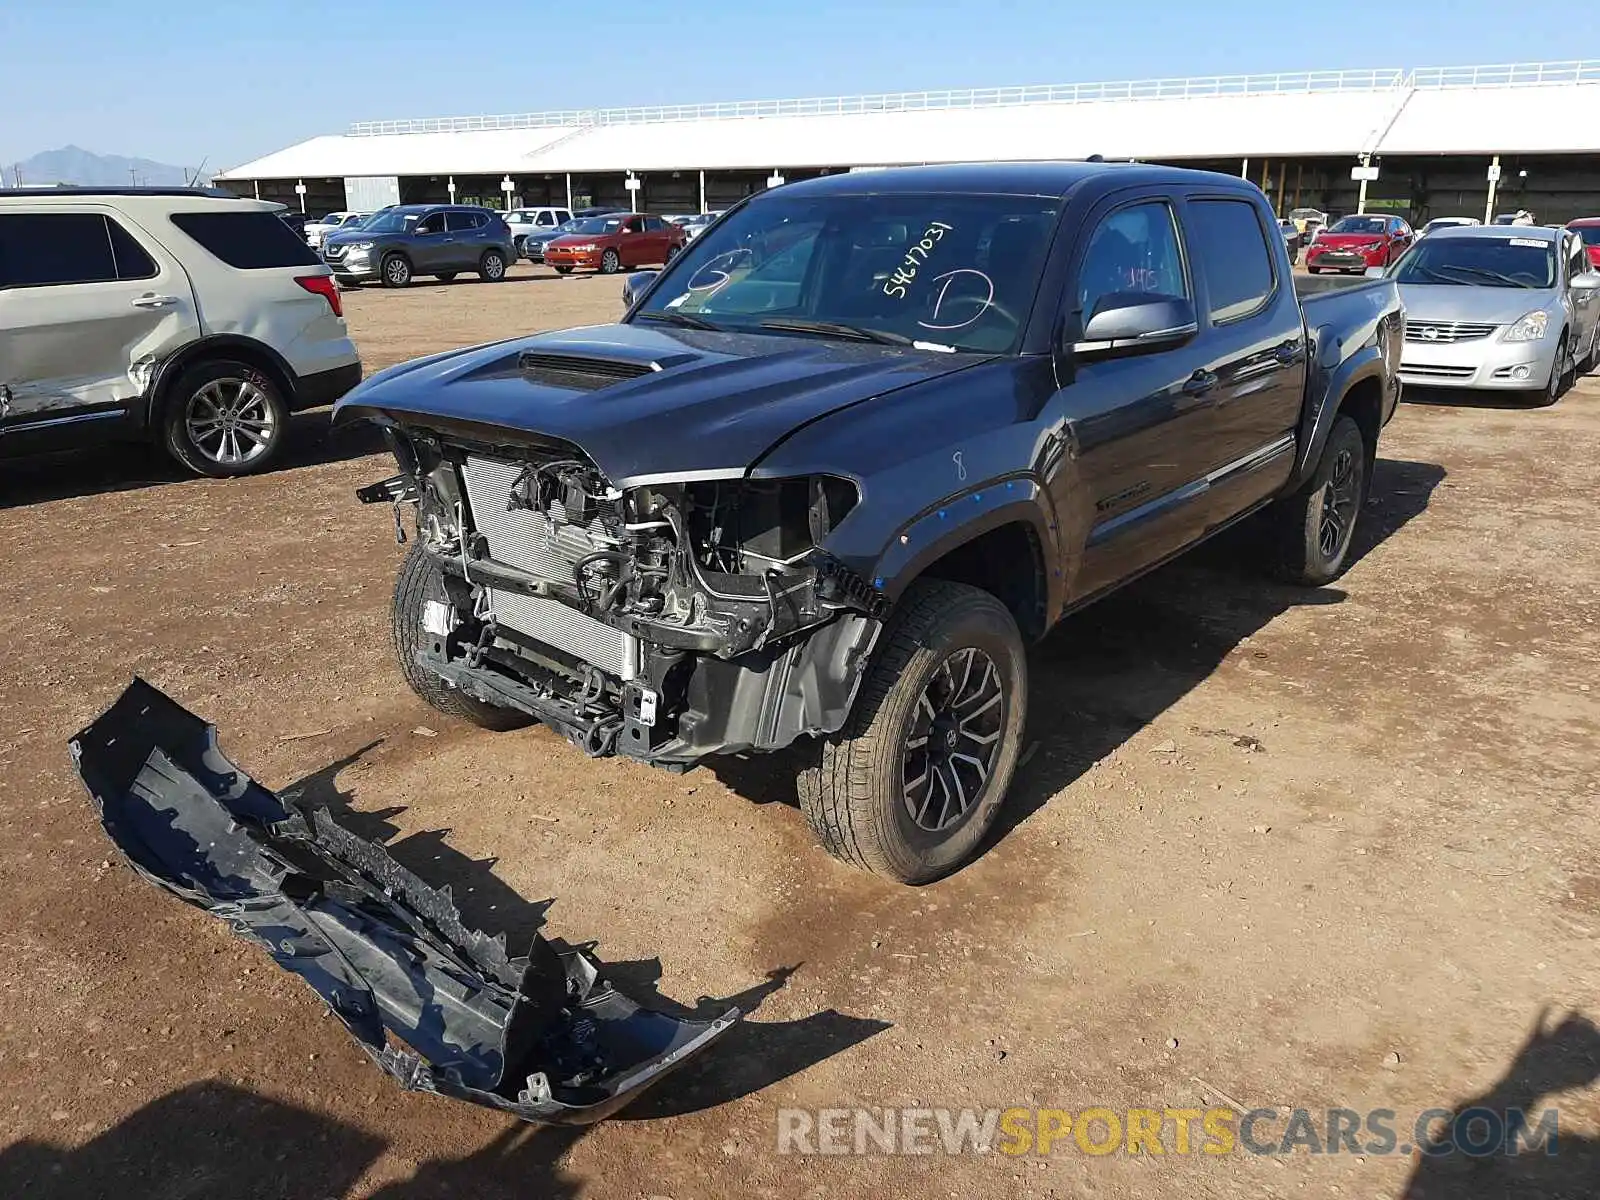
672	316
855	333
1485	273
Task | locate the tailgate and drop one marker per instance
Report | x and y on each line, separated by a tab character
543	1036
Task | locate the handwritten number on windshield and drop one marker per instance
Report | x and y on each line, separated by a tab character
915	257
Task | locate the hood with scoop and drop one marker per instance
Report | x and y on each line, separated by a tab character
644	400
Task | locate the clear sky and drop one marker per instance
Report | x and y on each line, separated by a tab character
176	80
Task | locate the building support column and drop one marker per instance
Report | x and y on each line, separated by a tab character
1244	171
702	207
1283	178
1494	184
569	192
1361	195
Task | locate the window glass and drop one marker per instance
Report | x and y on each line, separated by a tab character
633	224
250	241
130	257
1227	245
38	249
1503	262
432	223
1134	249
546	218
956	270
458	222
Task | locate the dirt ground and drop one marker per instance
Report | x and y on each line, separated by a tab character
1273	848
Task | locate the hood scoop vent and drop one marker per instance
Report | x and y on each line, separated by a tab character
580	372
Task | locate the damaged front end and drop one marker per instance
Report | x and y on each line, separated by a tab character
666	620
544	1036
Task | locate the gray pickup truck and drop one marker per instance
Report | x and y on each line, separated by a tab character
851	451
842	459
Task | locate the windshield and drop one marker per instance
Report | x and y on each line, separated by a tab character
1358	225
391	220
593	225
1507	262
955	270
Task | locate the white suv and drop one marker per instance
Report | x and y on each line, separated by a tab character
182	316
524	221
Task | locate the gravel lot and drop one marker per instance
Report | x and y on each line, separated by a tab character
1274	848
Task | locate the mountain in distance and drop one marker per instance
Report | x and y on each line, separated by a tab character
73	164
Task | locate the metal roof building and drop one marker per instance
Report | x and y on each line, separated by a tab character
680	158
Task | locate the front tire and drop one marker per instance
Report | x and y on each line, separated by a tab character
224	418
492	266
610	263
912	783
1316	525
396	271
1563	374
420	580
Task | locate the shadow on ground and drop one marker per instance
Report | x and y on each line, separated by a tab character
1553	1060
126	466
216	1140
1104	674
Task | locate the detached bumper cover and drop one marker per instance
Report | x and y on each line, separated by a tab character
543	1036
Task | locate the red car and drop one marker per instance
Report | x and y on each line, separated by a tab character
1358	242
608	244
1588	228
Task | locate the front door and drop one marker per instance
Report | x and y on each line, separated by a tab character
633	247
1135	428
87	306
430	245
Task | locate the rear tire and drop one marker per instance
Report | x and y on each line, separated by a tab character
224	418
492	266
944	701
396	271
421	580
1316	526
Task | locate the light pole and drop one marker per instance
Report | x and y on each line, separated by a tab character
507	187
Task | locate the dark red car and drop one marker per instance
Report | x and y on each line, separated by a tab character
1358	242
610	243
1588	228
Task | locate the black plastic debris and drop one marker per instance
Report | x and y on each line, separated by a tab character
543	1036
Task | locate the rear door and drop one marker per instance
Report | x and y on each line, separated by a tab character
88	303
1137	425
1251	327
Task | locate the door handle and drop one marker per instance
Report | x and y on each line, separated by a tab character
1200	383
153	301
1289	352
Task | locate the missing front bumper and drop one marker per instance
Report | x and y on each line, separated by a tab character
544	1037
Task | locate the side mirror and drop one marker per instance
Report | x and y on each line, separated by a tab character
1126	323
1589	281
1376	272
634	286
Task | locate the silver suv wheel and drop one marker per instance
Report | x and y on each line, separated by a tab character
231	422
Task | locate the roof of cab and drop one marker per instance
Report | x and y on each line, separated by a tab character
1012	179
1538	233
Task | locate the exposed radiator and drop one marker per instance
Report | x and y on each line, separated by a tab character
531	542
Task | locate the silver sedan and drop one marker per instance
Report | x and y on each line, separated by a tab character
1498	307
